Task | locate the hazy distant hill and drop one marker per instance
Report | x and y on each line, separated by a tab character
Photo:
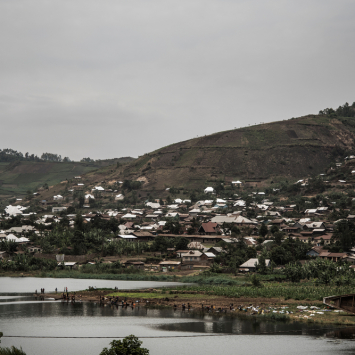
292	148
17	177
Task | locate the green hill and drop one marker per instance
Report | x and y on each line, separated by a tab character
17	177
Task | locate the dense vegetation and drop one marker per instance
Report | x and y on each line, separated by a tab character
11	155
343	111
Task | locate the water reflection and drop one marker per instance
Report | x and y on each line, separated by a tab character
189	321
92	320
23	314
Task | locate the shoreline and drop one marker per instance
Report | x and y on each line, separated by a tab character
268	308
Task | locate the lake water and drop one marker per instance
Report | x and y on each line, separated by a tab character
168	331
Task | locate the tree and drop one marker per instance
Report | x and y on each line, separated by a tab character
261	267
263	230
130	345
235	231
344	233
280	256
173	227
161	243
81	201
278	237
274	229
10	246
182	243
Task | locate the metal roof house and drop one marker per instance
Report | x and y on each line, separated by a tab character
250	265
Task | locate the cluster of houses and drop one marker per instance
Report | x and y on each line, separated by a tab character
204	223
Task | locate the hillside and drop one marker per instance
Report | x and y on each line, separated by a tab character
292	148
257	155
17	177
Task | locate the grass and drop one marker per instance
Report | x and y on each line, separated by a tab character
283	290
30	175
212	280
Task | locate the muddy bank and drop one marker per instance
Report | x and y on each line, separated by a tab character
275	308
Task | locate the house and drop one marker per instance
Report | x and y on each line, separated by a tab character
180	252
315	251
192	257
58	197
170	265
58	209
326	238
216	250
277	222
238	220
68	264
129	216
299	225
119	197
209	190
34	249
207	258
194	211
250	242
290	229
333	256
315	225
143	236
303	238
154	205
208	228
310	212
98	188
250	265
128	237
14	230
272	214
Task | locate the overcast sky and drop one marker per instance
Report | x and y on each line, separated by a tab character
105	79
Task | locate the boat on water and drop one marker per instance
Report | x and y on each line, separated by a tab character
343	302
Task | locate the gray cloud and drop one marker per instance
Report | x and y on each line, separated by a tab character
116	78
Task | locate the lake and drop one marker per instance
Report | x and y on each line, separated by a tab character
168	331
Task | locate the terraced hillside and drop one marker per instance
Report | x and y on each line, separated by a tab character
292	148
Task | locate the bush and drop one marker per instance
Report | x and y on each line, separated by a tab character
12	351
255	280
128	346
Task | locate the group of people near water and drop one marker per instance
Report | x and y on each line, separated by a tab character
67	297
114	301
42	293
